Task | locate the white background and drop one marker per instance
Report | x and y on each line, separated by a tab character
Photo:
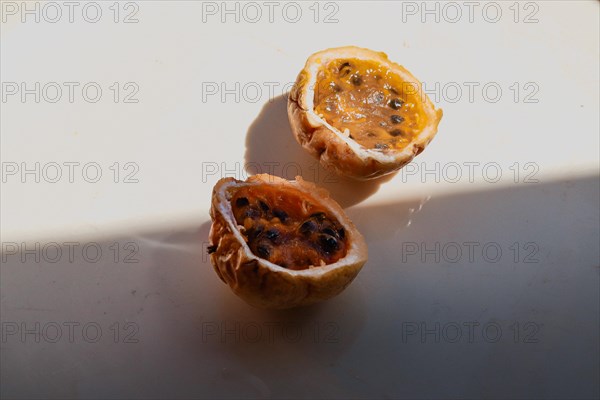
512	175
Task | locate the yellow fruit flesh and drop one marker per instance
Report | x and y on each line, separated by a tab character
370	103
287	228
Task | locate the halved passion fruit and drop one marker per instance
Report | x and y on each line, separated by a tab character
360	114
280	243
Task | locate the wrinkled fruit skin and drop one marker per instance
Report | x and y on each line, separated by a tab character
264	285
332	151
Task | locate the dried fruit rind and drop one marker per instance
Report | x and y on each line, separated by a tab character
263	283
335	147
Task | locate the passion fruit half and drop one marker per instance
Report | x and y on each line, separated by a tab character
282	244
359	113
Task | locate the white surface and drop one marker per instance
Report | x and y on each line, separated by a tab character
353	345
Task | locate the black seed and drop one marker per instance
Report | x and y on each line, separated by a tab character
241	202
335	87
344	69
211	249
396	119
381	146
263	206
263	251
329	231
396	132
328	243
395	104
308	227
356	80
319	216
254	233
252	213
272	234
282	215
